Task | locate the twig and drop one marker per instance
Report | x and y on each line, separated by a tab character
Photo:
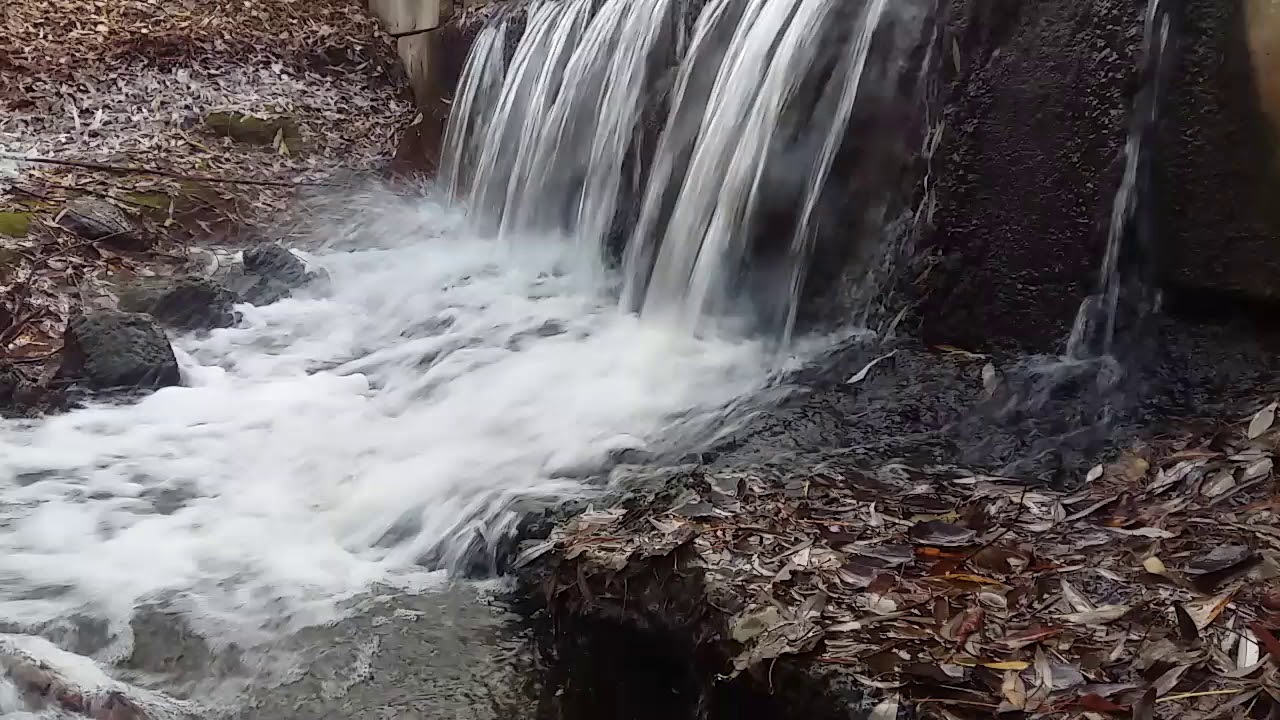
411	33
123	170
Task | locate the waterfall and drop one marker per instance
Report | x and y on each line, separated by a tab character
568	125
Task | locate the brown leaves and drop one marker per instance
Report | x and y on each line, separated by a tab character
1139	593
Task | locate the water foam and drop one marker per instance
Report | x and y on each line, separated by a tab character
338	439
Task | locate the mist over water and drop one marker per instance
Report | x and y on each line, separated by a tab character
358	433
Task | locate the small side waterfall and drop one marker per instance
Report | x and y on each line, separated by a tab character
566	137
1123	288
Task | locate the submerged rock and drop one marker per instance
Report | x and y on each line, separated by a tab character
188	303
114	349
270	273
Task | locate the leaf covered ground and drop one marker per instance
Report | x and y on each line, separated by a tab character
1149	591
284	94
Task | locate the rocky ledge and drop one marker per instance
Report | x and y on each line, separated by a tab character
842	590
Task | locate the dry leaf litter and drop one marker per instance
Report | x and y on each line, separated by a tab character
1151	591
313	84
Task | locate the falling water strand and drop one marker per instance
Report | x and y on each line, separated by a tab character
477	89
706	239
717	26
529	87
851	70
1093	333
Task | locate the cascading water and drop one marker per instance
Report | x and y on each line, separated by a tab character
486	64
364	435
570	111
367	433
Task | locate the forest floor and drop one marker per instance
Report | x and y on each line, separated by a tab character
185	125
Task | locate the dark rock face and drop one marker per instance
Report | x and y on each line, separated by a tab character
1216	162
190	303
113	349
1037	116
270	273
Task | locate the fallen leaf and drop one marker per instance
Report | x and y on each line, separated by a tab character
1187	630
1101	616
1094	703
963	625
1014	691
866	369
941	534
1145	707
1267	639
1169	680
1154	566
1203	612
1262	421
886	709
1022	639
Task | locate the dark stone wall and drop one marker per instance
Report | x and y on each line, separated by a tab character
1038	97
1215	163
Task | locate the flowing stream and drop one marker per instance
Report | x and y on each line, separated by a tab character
465	356
361	435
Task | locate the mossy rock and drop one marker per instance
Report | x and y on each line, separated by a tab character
15	224
251	130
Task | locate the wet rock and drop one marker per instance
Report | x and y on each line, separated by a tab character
269	273
1216	162
21	393
114	349
10	382
188	303
98	220
1038	103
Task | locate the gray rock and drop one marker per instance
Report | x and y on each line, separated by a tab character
114	349
187	303
99	220
270	273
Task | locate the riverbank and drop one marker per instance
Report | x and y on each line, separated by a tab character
173	138
1146	586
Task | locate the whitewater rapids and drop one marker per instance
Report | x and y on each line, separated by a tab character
357	434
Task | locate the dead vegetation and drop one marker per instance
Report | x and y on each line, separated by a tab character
176	98
1149	592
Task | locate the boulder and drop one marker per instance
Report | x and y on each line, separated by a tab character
98	220
269	273
1038	101
116	349
187	303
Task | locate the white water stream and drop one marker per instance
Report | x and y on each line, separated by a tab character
365	433
335	440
